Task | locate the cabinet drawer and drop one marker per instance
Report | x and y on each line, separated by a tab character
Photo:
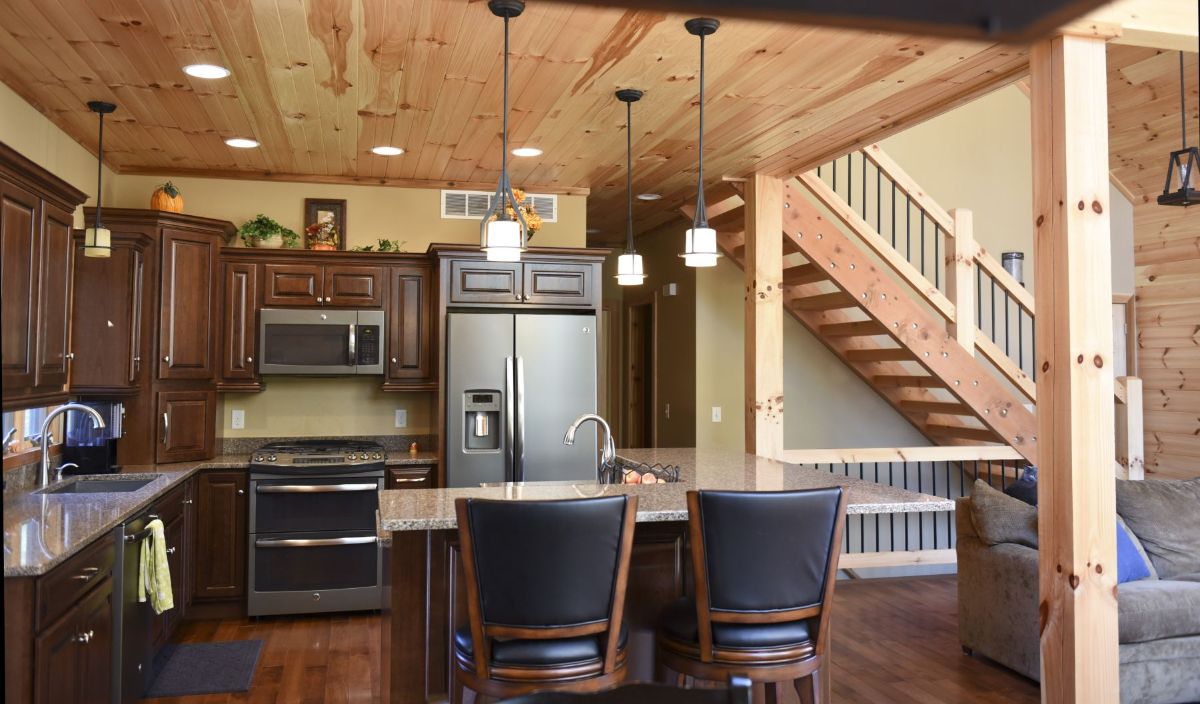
65	584
558	284
485	282
410	478
291	284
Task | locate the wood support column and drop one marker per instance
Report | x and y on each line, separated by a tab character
1076	497
1131	453
764	315
960	279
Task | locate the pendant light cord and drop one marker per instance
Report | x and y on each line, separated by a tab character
629	177
700	218
504	184
1182	104
100	179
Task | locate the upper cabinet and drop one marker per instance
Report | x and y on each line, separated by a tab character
239	332
476	281
187	310
408	326
35	281
339	285
108	315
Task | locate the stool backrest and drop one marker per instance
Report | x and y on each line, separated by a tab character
545	569
764	557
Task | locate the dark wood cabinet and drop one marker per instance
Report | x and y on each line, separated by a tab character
187	311
238	329
485	282
410	477
409	349
186	425
35	281
174	509
73	657
219	564
339	285
106	318
558	284
544	283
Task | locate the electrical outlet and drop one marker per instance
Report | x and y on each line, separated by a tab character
238	419
401	418
716	414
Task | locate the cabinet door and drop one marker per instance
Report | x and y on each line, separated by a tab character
239	334
105	316
167	621
409	324
558	284
20	214
95	664
219	560
485	282
409	478
54	307
353	286
188	319
291	285
186	425
73	657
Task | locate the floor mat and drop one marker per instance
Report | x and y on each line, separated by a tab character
205	668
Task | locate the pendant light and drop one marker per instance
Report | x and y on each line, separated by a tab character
501	235
630	271
700	242
97	240
1186	161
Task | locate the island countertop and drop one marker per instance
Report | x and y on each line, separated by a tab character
433	509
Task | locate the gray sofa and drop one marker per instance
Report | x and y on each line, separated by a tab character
1158	617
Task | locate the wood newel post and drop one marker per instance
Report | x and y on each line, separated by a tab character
1131	455
1076	495
764	315
960	283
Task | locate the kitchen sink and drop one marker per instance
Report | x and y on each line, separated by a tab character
100	486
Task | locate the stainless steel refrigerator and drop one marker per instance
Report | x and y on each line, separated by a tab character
515	381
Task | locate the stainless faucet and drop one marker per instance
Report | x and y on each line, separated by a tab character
608	453
96	417
9	437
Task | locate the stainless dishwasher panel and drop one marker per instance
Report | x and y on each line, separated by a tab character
133	648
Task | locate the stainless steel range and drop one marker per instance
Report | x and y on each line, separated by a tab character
313	546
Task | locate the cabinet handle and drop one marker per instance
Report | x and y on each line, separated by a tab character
86	574
69	355
167	359
241	492
395	361
171	550
517	296
406	480
85	638
166	429
189	501
249	360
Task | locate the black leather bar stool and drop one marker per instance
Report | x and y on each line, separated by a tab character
545	592
764	564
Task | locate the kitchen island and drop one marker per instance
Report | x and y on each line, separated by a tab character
424	596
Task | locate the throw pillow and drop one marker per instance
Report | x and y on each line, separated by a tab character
1000	518
1165	515
1131	563
1025	488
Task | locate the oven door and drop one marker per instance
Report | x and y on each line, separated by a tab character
345	502
307	341
314	572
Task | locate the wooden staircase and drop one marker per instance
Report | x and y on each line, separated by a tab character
879	313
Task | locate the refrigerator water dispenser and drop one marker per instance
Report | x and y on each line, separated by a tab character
481	422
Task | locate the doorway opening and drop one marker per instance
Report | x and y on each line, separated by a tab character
640	391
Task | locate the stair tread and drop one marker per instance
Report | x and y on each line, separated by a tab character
803	274
862	328
952	408
962	431
912	380
881	354
825	301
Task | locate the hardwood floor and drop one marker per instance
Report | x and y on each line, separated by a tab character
894	641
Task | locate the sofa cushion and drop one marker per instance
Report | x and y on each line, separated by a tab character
1000	518
1024	488
1132	564
1157	608
1165	515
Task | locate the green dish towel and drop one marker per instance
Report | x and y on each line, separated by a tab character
155	576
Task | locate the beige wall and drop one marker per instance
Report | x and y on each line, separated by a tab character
675	331
301	407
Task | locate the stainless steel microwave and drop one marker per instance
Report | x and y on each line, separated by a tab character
320	342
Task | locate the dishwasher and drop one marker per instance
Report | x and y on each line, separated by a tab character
133	621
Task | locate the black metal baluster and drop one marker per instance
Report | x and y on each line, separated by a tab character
933	477
1021	338
908	229
922	212
1007	305
893	214
891	516
992	301
878	202
850	180
835	161
937	256
864	184
906	515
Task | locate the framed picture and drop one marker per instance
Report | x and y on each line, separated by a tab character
324	223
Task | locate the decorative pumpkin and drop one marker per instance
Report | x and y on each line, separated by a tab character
167	197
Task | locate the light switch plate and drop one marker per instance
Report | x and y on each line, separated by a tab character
401	418
716	414
238	419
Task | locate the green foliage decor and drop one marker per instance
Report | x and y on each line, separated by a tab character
261	227
383	246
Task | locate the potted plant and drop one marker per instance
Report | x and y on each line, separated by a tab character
167	197
263	232
322	235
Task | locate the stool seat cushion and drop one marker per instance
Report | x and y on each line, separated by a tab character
678	622
538	652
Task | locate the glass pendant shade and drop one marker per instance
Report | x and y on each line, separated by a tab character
97	242
502	241
629	270
700	247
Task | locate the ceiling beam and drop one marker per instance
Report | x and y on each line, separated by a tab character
1156	24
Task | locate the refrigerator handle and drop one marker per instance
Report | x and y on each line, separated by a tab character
519	448
509	464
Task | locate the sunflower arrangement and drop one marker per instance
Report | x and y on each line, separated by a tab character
532	219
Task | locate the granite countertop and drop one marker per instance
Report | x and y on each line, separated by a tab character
43	530
433	509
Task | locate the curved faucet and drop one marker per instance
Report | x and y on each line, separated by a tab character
96	418
608	453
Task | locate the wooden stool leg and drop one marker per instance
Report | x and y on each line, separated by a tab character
771	689
805	689
680	680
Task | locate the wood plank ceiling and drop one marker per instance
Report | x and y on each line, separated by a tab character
1143	94
320	82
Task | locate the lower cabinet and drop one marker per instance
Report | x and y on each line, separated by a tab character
174	510
221	535
73	657
409	477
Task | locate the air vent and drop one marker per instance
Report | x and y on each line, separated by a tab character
473	204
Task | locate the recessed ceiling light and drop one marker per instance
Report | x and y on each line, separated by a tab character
206	71
241	143
649	196
527	151
387	151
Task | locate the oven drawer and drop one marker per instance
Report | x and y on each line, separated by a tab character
313	562
314	504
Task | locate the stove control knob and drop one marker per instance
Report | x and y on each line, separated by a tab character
351	456
270	458
376	456
258	458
